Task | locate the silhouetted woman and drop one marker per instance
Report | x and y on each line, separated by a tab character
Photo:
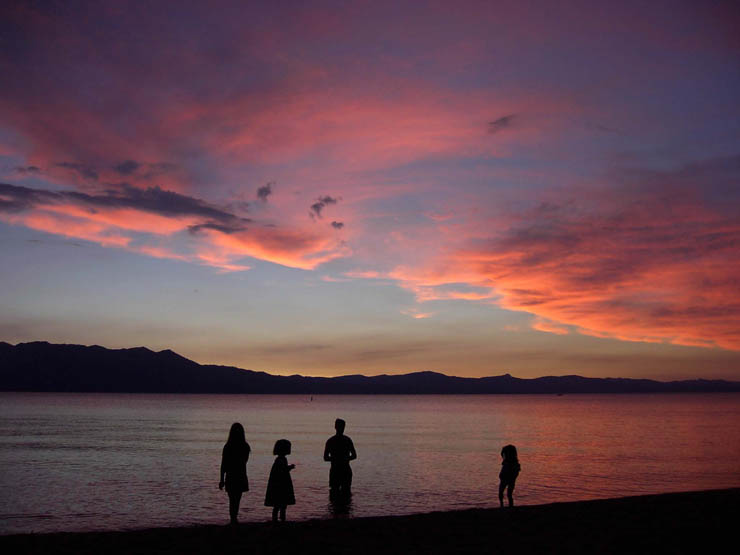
280	487
234	468
510	468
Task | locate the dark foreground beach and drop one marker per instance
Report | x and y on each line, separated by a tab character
668	523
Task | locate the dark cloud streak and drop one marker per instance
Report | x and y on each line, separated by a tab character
321	203
265	191
127	167
501	123
88	172
223	228
25	170
14	198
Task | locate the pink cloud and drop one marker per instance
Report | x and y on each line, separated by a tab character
354	131
292	122
364	274
163	224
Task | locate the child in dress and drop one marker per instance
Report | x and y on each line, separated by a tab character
510	468
280	487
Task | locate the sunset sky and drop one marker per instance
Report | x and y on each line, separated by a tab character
326	188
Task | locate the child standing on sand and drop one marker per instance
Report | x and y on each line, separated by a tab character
280	487
510	468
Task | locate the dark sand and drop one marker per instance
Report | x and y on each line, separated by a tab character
696	522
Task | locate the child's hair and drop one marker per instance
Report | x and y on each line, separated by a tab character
282	447
509	453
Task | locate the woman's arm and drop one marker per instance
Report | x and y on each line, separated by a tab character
222	472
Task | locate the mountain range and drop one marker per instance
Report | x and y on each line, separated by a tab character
42	366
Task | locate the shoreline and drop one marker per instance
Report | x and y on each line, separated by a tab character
669	522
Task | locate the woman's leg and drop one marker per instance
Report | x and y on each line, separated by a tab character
510	492
235	498
275	513
501	487
282	513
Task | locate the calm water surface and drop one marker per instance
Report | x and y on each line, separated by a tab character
99	461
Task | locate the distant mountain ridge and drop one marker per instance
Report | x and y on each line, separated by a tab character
42	366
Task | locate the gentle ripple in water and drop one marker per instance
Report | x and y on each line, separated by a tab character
100	461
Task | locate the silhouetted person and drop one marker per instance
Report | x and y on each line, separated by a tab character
339	450
280	487
510	468
234	468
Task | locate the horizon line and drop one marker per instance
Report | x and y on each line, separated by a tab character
506	374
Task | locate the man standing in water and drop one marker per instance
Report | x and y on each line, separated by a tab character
339	450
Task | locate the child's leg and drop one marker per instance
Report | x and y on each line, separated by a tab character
275	513
501	487
282	513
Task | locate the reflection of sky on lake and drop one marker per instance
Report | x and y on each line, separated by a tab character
73	462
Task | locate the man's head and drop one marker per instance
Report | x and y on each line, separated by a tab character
339	425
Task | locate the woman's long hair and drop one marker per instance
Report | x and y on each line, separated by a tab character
236	440
509	453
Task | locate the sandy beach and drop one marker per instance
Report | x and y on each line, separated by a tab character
668	523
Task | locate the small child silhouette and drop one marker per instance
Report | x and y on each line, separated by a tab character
510	468
280	487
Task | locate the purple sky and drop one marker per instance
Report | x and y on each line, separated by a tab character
470	187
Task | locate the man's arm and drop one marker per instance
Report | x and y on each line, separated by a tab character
327	454
352	452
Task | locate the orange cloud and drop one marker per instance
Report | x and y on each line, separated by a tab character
292	248
69	227
417	314
126	218
638	265
549	327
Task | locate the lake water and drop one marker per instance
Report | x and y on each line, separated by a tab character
114	461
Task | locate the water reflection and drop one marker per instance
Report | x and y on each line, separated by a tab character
75	462
340	508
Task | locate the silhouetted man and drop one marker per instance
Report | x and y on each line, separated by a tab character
339	450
